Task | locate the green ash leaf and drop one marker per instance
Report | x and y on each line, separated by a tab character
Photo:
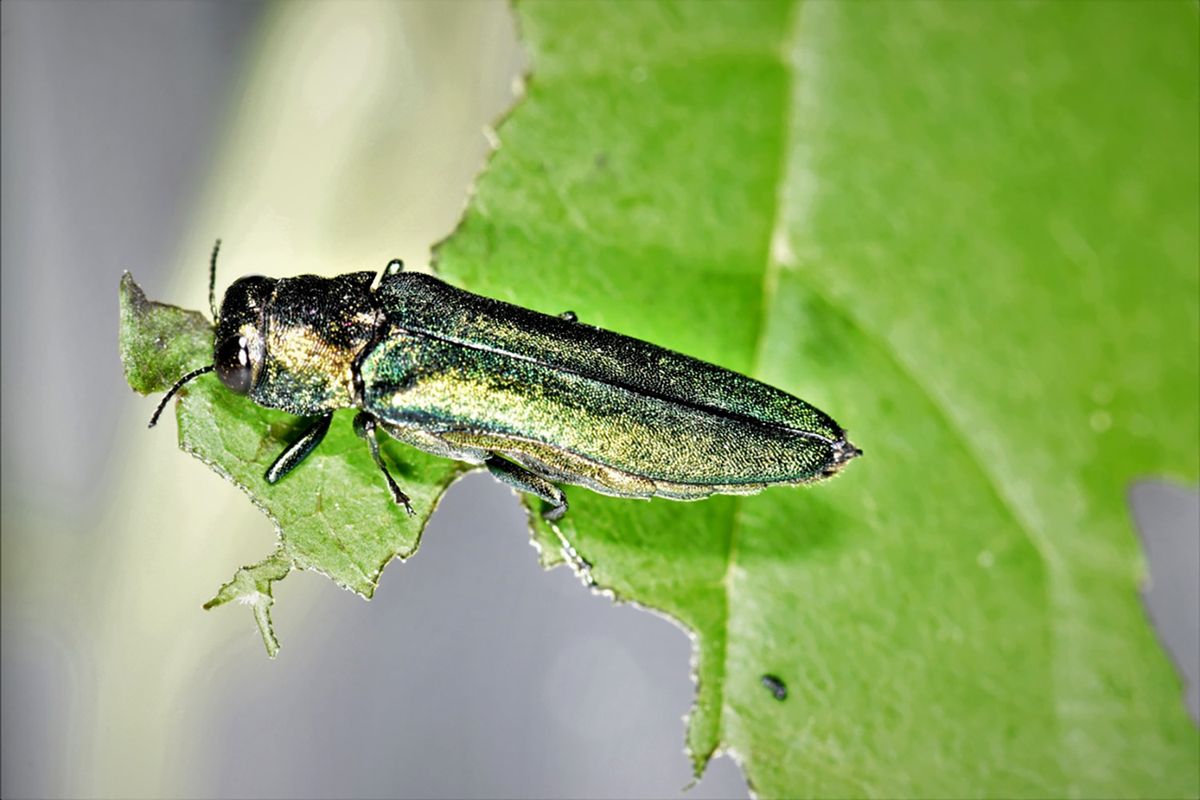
967	231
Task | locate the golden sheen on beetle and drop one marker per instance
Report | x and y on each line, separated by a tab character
538	400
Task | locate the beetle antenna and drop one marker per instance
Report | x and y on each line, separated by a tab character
196	373
212	280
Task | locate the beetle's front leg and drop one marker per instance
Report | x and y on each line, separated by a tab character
523	480
365	426
299	450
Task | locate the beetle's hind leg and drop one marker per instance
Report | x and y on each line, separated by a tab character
365	426
290	458
523	480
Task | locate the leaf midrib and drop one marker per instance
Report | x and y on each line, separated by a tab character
1048	555
770	282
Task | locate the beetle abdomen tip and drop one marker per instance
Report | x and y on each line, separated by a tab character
843	453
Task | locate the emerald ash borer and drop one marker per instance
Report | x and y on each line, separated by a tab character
538	400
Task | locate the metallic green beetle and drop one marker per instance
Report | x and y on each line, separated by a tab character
537	399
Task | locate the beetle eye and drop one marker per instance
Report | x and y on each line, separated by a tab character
233	365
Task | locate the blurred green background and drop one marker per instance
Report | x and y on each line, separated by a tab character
472	673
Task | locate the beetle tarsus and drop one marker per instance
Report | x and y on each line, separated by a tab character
400	497
556	512
290	458
365	426
524	480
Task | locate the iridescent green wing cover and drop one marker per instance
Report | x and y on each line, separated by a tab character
582	403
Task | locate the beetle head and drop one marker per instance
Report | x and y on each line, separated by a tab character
240	345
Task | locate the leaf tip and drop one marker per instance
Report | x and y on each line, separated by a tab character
132	298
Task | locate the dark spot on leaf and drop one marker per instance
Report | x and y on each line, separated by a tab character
775	686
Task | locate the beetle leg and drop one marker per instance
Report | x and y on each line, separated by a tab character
523	480
299	450
569	316
364	426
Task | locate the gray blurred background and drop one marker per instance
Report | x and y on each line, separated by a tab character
134	134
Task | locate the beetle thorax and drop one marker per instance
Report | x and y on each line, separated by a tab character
316	330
